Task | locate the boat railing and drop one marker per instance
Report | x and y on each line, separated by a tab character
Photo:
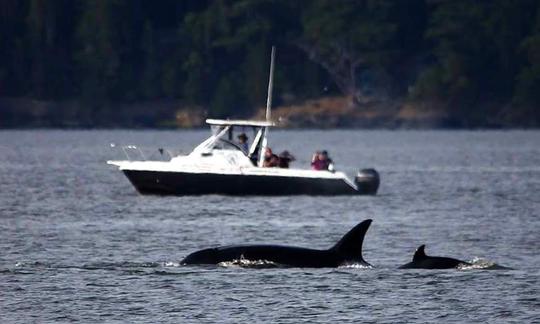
136	153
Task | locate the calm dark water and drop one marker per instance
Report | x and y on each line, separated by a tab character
78	243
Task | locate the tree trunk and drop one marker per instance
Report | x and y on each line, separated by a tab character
341	66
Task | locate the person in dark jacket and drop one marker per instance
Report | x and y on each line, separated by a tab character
270	159
243	142
285	158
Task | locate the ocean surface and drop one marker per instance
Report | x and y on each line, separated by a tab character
78	243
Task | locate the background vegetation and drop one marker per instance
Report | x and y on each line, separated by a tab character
138	62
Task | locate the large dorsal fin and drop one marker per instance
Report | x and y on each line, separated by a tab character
350	245
420	253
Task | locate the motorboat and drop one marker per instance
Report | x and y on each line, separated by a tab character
221	165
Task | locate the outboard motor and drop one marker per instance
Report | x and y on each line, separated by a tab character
367	181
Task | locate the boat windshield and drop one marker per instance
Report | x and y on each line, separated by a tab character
225	144
235	138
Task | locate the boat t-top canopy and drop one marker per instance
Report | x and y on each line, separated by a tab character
228	122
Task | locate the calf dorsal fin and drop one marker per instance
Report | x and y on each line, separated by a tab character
420	254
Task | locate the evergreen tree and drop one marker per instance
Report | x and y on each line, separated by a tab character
98	54
150	86
474	58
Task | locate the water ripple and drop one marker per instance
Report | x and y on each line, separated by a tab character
79	244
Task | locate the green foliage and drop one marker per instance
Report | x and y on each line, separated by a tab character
357	42
527	90
214	53
98	55
150	86
528	85
475	50
226	99
341	47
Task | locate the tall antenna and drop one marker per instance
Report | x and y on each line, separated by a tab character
270	85
264	142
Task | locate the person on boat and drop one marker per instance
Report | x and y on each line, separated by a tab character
285	158
243	142
270	159
321	162
329	162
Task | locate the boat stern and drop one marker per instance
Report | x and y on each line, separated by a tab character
367	181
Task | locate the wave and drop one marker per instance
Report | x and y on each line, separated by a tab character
254	264
355	266
160	267
481	264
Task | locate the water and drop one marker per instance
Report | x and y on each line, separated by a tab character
78	243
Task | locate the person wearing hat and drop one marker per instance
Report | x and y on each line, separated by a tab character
284	159
242	141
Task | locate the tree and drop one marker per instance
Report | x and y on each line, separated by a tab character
229	42
48	44
13	52
526	99
474	50
150	85
348	39
98	56
527	90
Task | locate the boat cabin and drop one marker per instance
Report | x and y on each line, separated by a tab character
225	134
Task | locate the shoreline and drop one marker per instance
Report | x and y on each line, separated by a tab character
323	113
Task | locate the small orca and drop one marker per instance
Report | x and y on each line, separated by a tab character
422	261
348	250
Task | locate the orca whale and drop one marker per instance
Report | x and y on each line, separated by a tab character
422	261
348	250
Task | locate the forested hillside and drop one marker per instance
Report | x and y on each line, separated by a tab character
145	63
